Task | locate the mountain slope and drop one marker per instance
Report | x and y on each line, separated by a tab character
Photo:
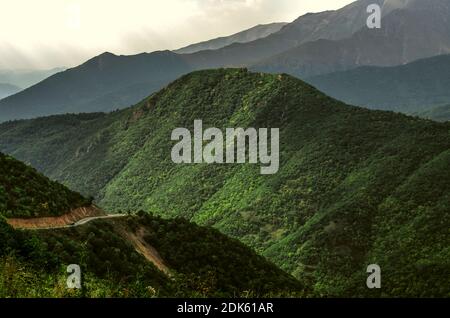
104	83
8	90
252	34
330	25
26	193
408	88
420	30
355	186
202	262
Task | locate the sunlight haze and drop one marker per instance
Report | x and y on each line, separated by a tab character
52	33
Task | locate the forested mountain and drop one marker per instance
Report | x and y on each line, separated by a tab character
26	193
355	186
200	262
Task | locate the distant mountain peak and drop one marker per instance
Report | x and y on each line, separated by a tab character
257	32
105	54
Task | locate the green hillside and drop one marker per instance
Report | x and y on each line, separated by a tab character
26	193
355	186
202	262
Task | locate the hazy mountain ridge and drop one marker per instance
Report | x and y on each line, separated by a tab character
104	83
411	88
8	90
332	25
252	34
419	31
26	78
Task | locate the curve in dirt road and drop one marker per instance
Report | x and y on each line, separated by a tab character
75	217
82	222
82	216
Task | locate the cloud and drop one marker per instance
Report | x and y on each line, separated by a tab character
51	33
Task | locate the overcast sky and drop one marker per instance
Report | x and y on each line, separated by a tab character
51	33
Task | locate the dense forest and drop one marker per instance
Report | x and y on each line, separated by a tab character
26	193
355	186
202	262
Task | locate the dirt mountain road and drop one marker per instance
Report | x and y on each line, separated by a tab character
82	216
75	217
